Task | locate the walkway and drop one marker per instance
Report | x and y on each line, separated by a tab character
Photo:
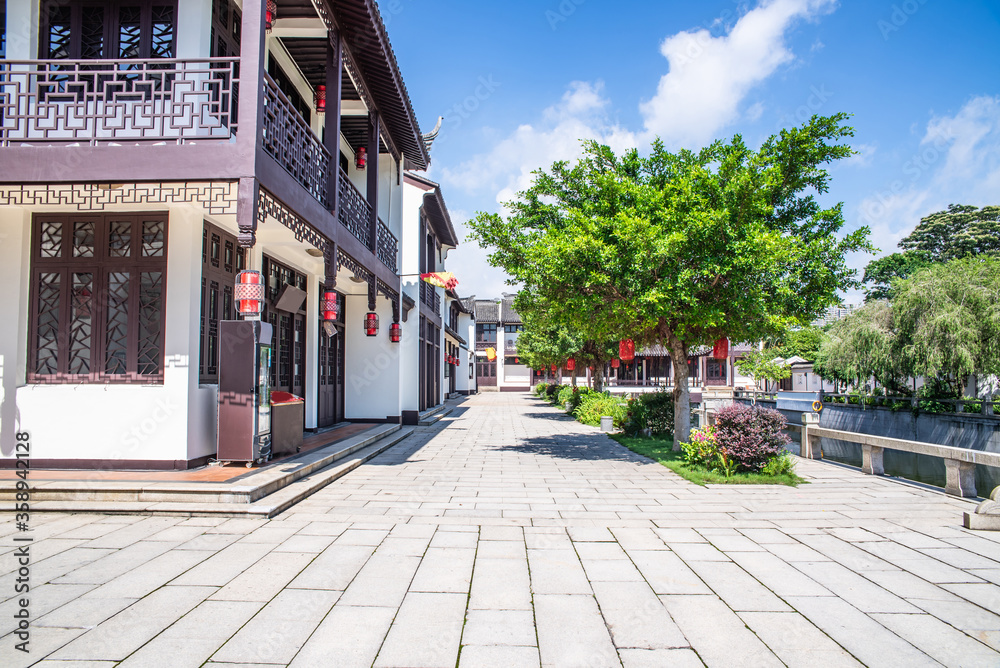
507	535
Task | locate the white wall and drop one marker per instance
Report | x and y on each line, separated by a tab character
194	28
409	349
14	247
22	29
372	369
172	421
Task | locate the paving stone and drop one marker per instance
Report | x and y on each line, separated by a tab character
557	572
867	640
280	629
796	641
262	581
348	637
736	587
939	640
718	635
427	631
856	590
491	656
382	581
444	569
571	632
334	568
636	617
219	570
656	658
500	584
499	627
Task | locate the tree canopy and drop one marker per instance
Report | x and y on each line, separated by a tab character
958	232
682	248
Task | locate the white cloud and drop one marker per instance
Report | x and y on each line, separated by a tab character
957	162
506	169
710	76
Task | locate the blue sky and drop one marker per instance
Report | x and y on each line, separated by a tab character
520	83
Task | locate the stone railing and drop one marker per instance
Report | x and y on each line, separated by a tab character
98	102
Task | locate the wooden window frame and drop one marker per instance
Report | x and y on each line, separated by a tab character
100	265
216	268
112	28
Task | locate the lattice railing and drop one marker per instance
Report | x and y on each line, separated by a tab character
354	210
100	101
386	247
291	142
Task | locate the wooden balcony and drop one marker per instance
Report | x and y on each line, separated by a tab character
105	102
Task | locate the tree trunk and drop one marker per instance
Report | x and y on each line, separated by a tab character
573	377
682	394
598	379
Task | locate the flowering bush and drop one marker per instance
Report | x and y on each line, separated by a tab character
540	389
750	436
703	450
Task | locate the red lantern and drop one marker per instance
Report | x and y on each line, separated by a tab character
517	361
720	350
553	368
371	324
249	293
270	15
395	332
626	350
571	364
615	363
329	306
319	98
361	157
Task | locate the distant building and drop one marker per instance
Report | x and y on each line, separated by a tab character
497	326
835	313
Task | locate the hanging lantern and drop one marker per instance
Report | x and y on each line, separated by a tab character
553	368
571	364
491	354
371	324
319	99
615	363
517	360
395	332
328	305
270	15
249	293
720	350
361	157
626	350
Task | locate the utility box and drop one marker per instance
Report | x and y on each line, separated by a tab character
287	423
244	391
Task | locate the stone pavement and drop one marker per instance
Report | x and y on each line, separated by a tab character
508	535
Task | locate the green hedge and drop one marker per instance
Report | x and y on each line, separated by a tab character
594	405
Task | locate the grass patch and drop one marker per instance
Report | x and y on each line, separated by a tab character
659	450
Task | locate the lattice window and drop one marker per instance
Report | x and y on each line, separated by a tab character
88	31
221	260
97	300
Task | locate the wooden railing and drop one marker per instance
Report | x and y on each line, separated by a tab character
291	142
101	101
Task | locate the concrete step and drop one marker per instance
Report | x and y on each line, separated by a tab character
442	412
266	507
247	490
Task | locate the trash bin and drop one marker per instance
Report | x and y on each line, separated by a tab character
287	423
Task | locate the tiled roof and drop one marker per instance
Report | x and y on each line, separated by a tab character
508	315
487	311
656	350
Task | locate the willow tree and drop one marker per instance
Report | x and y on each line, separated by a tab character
683	248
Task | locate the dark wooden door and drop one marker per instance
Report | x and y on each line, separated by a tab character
330	409
288	367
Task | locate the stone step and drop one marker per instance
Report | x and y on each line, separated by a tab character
254	487
266	507
443	412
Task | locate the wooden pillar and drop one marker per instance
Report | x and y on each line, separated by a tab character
246	214
374	129
334	73
251	111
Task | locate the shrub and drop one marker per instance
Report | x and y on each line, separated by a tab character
567	394
750	435
783	464
540	389
652	410
703	450
552	392
595	405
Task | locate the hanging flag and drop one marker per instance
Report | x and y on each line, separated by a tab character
491	354
441	279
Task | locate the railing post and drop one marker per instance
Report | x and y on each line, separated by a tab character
960	478
334	73
872	459
374	129
809	448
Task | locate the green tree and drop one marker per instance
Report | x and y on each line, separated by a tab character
948	319
960	231
683	248
803	342
865	344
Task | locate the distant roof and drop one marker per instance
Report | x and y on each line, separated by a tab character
487	311
656	350
469	304
435	209
508	315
